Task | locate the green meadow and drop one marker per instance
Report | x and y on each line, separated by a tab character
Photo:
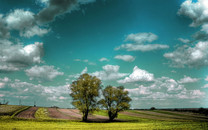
62	124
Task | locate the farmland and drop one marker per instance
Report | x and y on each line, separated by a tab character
24	117
10	109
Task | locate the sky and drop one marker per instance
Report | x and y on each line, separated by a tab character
157	50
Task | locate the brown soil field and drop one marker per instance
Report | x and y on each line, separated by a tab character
28	114
97	118
71	112
54	113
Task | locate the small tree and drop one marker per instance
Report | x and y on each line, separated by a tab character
152	108
84	93
115	100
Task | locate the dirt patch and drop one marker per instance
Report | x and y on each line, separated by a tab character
28	114
75	111
54	113
71	113
97	118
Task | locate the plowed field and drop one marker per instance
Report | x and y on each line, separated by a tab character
28	114
54	113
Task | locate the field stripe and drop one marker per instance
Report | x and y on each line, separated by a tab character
76	113
56	114
42	113
9	110
167	115
97	117
19	111
28	114
186	114
146	116
179	115
152	113
70	113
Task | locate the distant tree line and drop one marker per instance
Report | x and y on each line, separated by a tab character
85	92
194	110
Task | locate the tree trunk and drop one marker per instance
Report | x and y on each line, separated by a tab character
112	115
109	115
111	118
84	117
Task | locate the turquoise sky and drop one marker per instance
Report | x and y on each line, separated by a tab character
156	49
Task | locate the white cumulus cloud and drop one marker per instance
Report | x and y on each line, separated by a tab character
41	73
141	90
205	28
205	86
25	23
20	19
13	57
190	94
127	58
137	75
35	30
206	79
139	43
103	59
197	11
2	85
184	40
188	79
196	56
142	47
109	72
84	70
141	38
8	68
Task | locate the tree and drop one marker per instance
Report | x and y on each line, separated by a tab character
84	93
116	99
152	108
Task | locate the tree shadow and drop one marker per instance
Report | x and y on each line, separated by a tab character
107	121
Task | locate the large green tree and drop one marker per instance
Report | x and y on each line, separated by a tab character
84	92
116	99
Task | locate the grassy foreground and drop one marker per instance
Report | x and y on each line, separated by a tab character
31	124
43	121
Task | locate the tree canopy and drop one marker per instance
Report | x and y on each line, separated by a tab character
84	92
116	99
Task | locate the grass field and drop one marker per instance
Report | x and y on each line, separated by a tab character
9	109
131	119
28	124
42	113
